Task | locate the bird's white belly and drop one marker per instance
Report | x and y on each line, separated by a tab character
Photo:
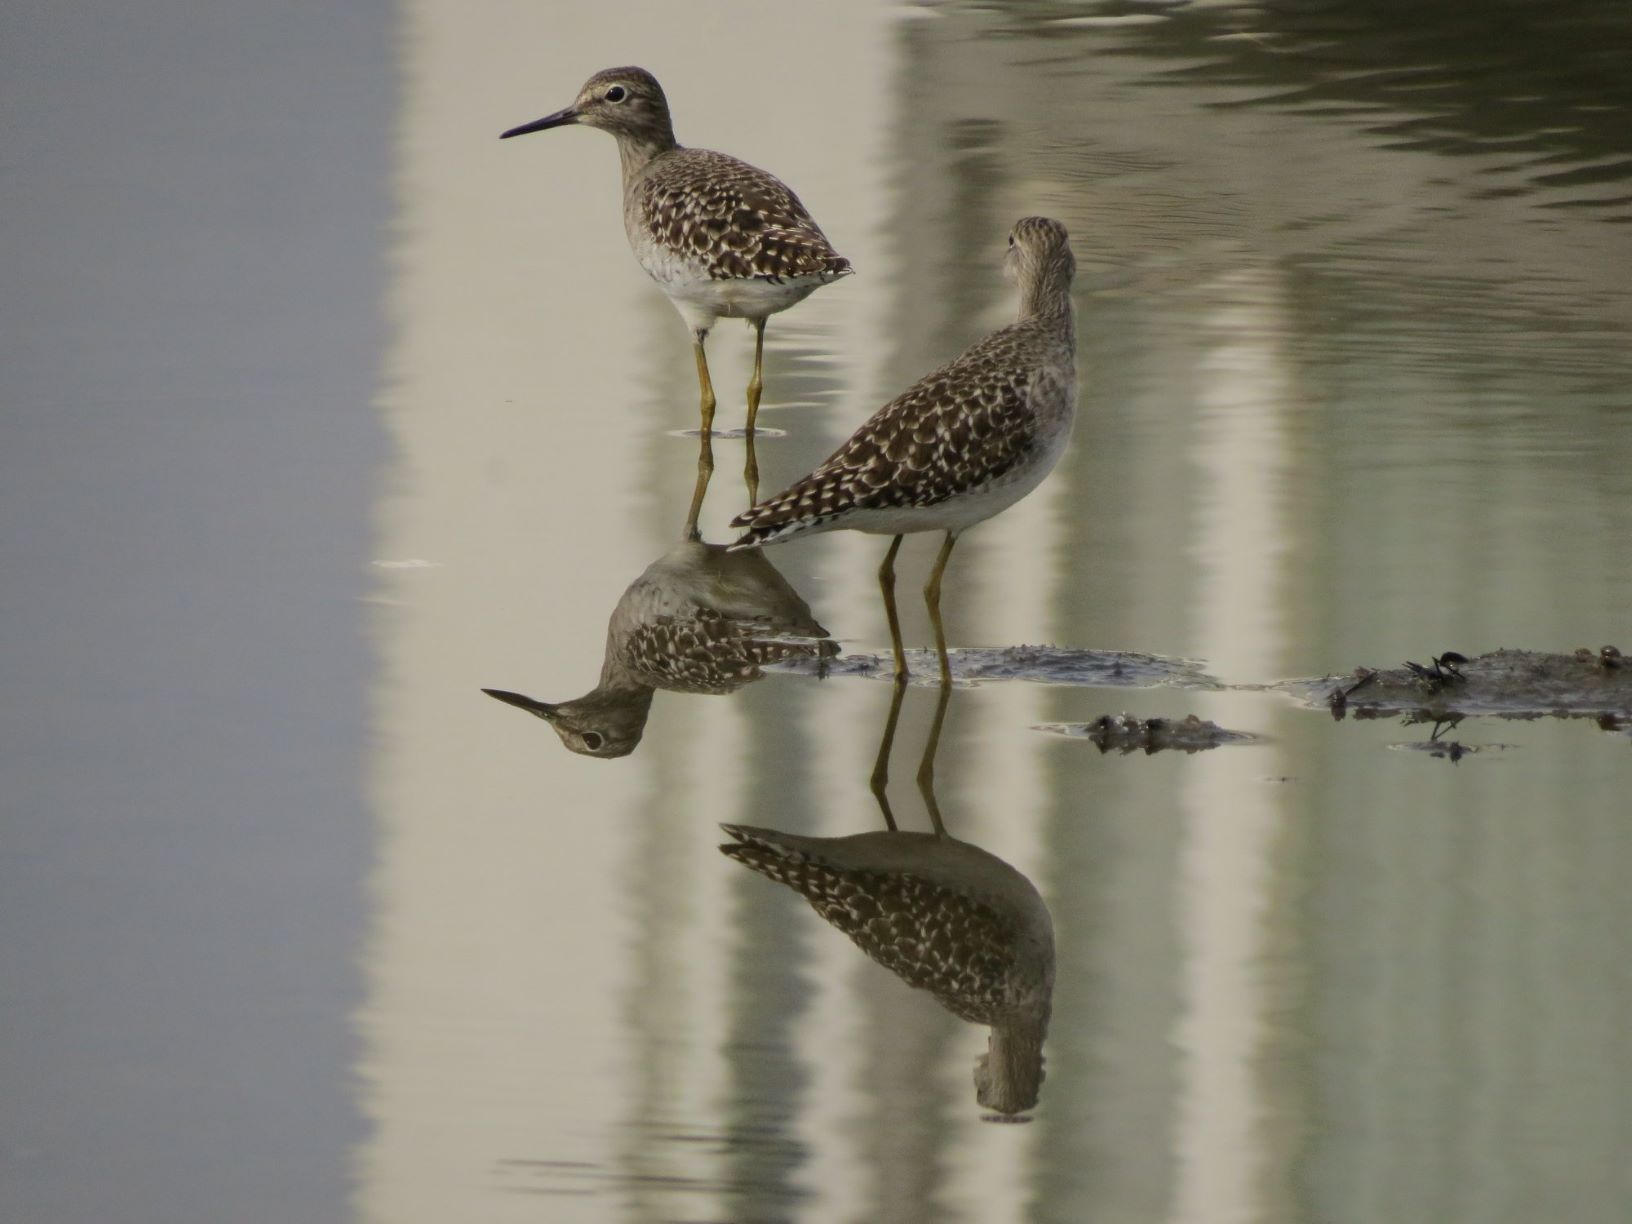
702	299
956	513
976	505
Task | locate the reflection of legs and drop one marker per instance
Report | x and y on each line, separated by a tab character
881	766
705	469
705	453
926	767
756	384
886	582
932	597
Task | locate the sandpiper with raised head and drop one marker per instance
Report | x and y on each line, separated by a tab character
959	445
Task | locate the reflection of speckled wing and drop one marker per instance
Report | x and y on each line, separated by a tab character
734	219
931	937
950	434
708	652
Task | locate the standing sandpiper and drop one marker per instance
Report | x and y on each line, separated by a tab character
958	446
720	237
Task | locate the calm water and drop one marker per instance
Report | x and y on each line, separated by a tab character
328	409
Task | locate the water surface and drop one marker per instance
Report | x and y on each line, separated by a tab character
1354	321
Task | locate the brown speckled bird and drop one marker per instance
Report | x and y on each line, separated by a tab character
959	445
720	237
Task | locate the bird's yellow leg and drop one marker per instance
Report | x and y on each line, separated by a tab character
705	451
932	598
704	382
886	583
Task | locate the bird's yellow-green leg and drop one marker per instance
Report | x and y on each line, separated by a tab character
705	452
932	597
756	384
886	583
881	766
704	382
926	767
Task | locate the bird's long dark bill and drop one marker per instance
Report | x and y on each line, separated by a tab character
521	701
558	119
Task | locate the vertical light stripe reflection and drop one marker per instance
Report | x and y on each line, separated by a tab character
833	1035
1231	819
513	1042
1010	577
492	950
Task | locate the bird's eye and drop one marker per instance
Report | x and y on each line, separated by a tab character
593	740
616	94
1011	240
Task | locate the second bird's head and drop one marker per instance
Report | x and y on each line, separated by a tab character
623	101
1037	245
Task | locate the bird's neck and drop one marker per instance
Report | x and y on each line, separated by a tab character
619	683
1047	296
637	149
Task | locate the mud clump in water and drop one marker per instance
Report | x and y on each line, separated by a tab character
1506	683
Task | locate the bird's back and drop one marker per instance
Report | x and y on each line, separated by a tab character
729	219
999	413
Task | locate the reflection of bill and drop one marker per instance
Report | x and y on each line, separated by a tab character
698	620
942	915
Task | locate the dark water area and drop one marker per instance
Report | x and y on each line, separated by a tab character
1266	860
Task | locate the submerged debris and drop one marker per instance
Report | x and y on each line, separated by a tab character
1506	683
1124	733
1448	750
1445	749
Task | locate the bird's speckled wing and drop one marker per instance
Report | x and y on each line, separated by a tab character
735	219
708	652
957	430
931	937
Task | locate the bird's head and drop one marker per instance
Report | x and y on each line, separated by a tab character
627	102
1039	249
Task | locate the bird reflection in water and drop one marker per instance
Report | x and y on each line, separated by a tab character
698	620
941	914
